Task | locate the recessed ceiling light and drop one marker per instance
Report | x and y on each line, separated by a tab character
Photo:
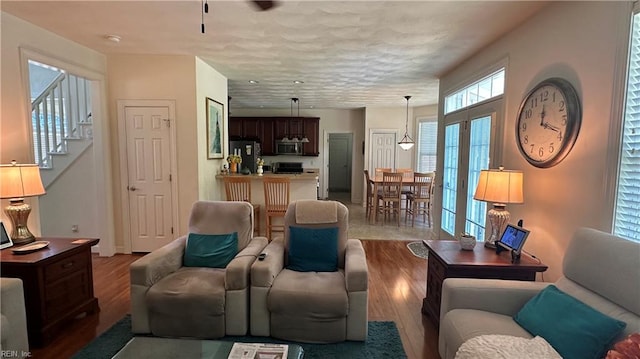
113	38
298	82
254	82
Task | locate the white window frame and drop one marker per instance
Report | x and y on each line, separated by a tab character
617	131
419	121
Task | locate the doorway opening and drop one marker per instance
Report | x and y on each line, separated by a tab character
339	166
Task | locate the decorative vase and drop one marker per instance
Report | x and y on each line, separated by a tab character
259	171
467	242
234	167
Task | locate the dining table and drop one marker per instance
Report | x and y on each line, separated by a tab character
377	181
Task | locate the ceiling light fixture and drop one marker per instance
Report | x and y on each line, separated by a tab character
254	82
407	142
298	82
294	99
304	138
113	38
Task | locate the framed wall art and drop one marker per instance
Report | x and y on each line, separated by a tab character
215	128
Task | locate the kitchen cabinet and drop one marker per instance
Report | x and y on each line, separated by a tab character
268	130
312	132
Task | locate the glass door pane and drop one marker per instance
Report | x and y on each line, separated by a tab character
479	150
450	177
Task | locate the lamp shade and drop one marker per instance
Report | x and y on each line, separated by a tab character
500	186
18	181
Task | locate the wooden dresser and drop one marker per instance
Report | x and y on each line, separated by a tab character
447	260
58	284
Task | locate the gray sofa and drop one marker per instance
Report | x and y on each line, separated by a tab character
599	269
13	318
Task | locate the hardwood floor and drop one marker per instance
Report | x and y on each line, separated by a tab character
397	285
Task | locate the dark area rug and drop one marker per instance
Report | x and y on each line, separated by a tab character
418	249
383	341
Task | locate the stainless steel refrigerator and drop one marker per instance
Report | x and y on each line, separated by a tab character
249	150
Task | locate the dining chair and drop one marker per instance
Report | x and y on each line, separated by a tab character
419	200
276	201
390	195
407	178
380	170
239	189
370	195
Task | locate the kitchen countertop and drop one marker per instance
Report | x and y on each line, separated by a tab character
292	176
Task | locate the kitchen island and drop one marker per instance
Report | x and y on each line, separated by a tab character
302	186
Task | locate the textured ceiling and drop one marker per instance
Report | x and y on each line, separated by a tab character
350	54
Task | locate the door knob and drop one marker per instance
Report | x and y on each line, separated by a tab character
131	188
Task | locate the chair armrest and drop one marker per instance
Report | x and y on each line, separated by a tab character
264	272
505	297
156	265
13	328
355	267
239	269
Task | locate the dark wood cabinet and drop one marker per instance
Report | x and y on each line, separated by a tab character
58	284
268	140
235	128
251	128
447	260
312	132
268	130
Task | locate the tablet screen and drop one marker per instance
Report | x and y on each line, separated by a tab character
5	240
513	238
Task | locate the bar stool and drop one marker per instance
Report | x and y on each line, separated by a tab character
419	201
276	201
238	188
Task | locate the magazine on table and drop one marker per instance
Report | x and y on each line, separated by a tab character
258	351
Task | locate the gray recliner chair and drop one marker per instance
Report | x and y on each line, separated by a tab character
13	318
169	299
311	306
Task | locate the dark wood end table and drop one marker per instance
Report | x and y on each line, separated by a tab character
447	260
58	284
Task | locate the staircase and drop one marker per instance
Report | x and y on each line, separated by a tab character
62	126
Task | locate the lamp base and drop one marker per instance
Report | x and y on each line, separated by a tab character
498	217
18	212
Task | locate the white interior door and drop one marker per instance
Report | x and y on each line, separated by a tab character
149	177
383	150
340	145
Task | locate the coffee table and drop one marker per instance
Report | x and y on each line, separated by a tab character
148	347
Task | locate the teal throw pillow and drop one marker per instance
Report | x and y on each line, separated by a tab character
574	329
313	249
210	250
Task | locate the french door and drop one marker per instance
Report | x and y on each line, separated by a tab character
469	147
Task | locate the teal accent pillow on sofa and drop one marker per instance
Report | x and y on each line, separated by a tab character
574	329
210	250
313	249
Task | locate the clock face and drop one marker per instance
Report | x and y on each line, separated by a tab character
548	122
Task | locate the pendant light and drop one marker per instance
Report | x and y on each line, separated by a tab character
407	142
304	138
286	138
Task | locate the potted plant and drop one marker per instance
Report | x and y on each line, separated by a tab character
234	160
260	163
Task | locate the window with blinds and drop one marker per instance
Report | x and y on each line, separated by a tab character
427	145
627	210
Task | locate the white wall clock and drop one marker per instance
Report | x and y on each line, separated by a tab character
548	122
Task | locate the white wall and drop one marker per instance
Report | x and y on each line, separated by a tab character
159	77
75	189
15	135
584	42
209	83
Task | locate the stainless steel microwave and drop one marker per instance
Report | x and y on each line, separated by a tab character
288	148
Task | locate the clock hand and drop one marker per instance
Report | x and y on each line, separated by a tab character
551	127
542	116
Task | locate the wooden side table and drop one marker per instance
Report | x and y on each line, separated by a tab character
58	284
447	260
